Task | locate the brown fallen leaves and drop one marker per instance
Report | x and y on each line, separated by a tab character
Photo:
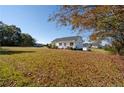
50	67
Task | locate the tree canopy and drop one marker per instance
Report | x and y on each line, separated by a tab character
10	35
27	40
104	21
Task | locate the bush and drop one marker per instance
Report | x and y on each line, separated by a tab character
111	49
70	48
51	46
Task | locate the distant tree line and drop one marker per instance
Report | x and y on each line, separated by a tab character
11	35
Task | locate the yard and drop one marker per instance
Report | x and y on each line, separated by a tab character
51	67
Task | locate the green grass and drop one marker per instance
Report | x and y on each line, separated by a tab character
100	51
50	67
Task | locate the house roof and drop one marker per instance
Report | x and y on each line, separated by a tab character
67	38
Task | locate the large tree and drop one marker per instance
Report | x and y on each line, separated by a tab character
10	35
104	21
27	40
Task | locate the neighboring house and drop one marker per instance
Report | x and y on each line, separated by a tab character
74	42
87	45
96	45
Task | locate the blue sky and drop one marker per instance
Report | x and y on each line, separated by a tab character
34	21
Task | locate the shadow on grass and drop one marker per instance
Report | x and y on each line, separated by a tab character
14	52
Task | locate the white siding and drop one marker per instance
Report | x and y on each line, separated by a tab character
76	44
67	44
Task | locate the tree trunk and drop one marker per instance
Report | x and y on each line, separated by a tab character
118	52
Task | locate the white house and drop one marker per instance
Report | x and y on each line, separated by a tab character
96	44
74	42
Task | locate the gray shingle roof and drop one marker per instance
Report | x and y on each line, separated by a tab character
66	38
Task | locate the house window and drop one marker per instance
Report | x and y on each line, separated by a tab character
60	44
64	44
71	43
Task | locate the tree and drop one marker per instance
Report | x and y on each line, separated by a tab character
27	40
104	21
10	35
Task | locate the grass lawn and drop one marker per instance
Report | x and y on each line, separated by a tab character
50	67
100	51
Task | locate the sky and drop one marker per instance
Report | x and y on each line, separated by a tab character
34	21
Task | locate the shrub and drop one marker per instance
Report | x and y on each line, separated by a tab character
70	48
111	49
52	46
